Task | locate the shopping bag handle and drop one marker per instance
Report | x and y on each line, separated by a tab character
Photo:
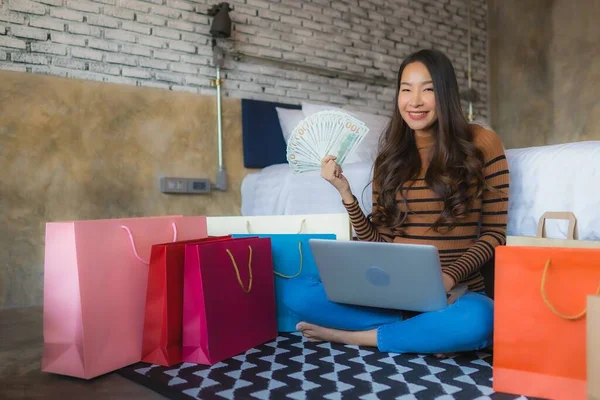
541	231
550	306
135	253
301	226
299	271
237	271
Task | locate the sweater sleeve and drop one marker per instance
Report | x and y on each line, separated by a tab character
365	229
494	210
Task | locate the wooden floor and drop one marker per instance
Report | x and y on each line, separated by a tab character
21	343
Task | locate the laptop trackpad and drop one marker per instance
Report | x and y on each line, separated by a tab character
377	277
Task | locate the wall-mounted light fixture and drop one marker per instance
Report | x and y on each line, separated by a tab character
221	25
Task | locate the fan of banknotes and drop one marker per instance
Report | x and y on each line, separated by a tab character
324	133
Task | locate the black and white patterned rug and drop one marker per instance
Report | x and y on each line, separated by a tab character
292	368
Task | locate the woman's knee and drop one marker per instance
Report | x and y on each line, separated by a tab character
478	305
302	295
466	325
477	316
306	297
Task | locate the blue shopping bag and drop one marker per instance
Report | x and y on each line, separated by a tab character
292	259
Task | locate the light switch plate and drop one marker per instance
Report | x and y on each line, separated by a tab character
185	185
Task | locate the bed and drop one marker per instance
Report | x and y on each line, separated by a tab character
562	177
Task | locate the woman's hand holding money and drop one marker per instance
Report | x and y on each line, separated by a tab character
333	173
324	133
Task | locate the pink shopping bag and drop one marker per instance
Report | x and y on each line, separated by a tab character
95	276
229	299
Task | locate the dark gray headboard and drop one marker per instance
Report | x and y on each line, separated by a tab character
262	137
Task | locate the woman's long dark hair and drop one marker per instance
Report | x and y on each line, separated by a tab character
455	173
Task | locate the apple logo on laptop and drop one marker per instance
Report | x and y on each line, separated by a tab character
377	277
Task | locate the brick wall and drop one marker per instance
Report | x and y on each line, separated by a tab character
166	44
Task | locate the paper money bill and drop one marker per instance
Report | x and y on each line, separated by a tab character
324	133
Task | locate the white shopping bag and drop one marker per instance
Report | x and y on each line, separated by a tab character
338	224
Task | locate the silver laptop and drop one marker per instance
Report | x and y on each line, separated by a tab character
385	275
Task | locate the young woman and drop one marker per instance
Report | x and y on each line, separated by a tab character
437	180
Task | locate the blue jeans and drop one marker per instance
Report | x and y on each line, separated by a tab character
465	325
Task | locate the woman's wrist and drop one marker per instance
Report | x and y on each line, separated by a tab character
347	196
449	281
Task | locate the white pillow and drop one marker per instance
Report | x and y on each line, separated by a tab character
367	150
288	119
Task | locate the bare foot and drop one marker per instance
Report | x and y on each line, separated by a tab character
316	333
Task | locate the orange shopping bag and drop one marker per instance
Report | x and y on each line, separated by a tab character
540	320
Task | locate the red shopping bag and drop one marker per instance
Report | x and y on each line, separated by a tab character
229	299
95	276
164	302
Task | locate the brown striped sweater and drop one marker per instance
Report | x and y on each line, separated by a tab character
465	249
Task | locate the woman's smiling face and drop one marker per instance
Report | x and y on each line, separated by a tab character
416	100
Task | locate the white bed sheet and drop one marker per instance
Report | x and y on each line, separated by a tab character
276	190
562	177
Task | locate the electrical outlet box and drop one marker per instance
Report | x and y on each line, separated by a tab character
185	185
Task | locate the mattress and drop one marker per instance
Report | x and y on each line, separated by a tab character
563	177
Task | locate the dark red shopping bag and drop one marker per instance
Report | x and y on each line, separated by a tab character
229	299
162	336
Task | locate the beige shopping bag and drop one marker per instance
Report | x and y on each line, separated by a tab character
338	224
541	241
593	347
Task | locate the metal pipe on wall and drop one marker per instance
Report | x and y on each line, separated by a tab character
469	71
221	179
